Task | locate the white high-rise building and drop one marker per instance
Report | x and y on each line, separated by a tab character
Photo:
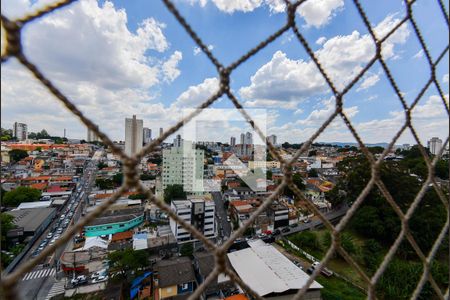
242	138
197	212
147	132
160	131
177	142
248	138
435	145
232	141
20	131
91	136
133	135
272	139
183	165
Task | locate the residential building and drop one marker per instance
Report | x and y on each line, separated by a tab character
177	142
160	131
114	221
435	145
204	263
147	135
272	139
20	131
133	135
175	278
183	165
232	141
248	138
91	136
199	213
242	138
271	274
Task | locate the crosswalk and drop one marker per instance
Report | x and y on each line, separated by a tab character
57	289
39	274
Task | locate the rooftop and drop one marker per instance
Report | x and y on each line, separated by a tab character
30	218
268	271
175	271
116	216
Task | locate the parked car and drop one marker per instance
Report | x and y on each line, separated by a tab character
49	235
276	232
310	270
325	271
298	264
100	278
293	225
228	219
59	230
285	230
307	220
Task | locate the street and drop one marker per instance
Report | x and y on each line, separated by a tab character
224	227
37	283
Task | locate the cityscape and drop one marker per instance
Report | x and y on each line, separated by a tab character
225	150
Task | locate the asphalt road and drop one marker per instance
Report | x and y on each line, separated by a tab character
37	283
224	227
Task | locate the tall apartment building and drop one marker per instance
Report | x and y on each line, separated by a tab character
197	212
147	135
435	145
133	135
183	165
91	136
177	142
20	131
248	138
160	131
272	139
232	141
242	138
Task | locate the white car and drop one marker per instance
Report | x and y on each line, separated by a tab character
100	278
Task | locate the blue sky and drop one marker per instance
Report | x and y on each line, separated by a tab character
119	58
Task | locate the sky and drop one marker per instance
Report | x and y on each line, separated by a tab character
115	59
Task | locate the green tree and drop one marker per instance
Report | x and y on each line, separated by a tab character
313	173
17	154
312	153
21	194
376	149
269	174
118	179
146	176
298	181
137	197
104	184
186	249
128	261
7	224
101	165
306	240
174	191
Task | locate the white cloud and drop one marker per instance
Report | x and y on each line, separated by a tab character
87	50
169	68
418	54
429	119
298	111
197	50
445	78
230	6
321	40
319	12
284	80
315	13
197	94
343	57
368	82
